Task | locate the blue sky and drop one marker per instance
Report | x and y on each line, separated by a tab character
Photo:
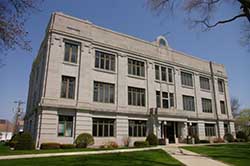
133	18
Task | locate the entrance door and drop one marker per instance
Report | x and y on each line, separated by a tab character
170	132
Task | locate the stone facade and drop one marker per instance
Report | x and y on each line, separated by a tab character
45	105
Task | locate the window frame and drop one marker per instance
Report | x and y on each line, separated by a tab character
190	106
206	107
135	92
221	85
67	88
139	125
101	124
135	69
101	92
159	73
201	85
184	82
210	130
65	125
104	57
71	43
223	108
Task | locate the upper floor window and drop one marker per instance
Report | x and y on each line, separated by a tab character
204	83
206	105
65	126
68	87
104	92
188	103
137	128
103	127
163	73
166	100
136	68
71	52
136	96
104	60
186	79
222	107
221	85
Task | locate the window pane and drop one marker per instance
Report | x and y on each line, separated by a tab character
158	99
163	74
171	100
136	96
204	83
157	72
136	68
186	79
74	53
188	103
170	75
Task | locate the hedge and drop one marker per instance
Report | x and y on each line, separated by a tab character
67	146
141	144
152	139
50	145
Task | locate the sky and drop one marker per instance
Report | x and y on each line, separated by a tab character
133	18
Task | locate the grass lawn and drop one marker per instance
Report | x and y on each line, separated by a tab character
145	158
234	154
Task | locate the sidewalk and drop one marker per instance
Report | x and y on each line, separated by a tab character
190	158
76	153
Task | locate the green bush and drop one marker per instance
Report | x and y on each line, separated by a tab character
141	144
204	141
24	142
229	137
241	135
50	145
152	139
13	141
67	146
83	140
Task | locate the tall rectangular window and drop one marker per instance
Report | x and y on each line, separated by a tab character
165	100
204	83
206	105
163	74
186	79
210	130
222	107
136	96
136	68
103	127
171	99
188	103
104	60
158	99
104	92
70	53
226	129
170	75
68	87
157	72
137	128
65	126
221	85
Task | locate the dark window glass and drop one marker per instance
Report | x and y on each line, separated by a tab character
68	87
163	74
204	83
104	60
186	79
165	100
136	68
170	75
158	99
136	96
193	129
188	103
171	100
104	92
221	85
210	130
206	105
137	128
157	72
103	127
222	107
65	126
71	51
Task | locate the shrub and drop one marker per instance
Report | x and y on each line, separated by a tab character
13	141
67	146
141	144
204	141
83	140
162	141
50	145
241	135
112	145
24	142
239	140
218	140
229	137
152	139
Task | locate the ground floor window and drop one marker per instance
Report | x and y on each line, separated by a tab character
65	126
226	129
193	129
210	130
103	127
137	128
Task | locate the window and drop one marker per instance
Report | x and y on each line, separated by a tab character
158	99
206	105
104	92
186	79
226	129
137	128
192	129
221	85
103	127
70	53
136	96
104	61
167	99
157	72
166	73
136	68
210	130
204	83
68	87
65	126
222	107
188	103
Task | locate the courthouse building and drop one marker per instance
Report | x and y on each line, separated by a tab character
89	79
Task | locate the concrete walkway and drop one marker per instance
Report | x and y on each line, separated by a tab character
189	158
9	157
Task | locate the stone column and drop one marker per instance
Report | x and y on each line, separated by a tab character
121	129
201	130
221	128
232	129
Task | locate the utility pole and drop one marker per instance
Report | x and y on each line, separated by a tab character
18	113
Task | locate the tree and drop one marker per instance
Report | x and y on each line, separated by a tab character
202	13
13	16
242	122
235	105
